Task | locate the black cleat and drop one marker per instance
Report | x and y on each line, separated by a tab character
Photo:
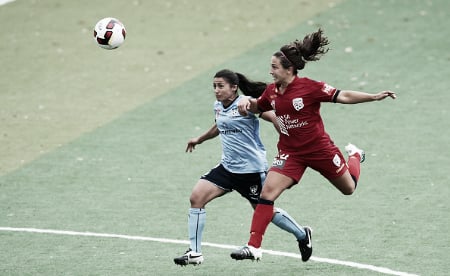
305	245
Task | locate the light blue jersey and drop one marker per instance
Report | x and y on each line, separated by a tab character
242	149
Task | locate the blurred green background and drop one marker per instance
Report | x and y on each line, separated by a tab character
93	140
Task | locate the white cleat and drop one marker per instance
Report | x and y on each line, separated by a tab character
352	150
247	252
190	257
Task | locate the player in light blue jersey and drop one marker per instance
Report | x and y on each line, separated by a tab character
239	169
233	127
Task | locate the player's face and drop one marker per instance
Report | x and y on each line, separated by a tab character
279	74
224	91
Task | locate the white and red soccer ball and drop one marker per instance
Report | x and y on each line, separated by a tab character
109	33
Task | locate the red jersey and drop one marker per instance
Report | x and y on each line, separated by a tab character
298	114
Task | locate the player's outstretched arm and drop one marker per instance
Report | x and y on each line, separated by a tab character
209	134
354	97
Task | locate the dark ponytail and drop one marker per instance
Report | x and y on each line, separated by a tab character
248	87
251	88
298	53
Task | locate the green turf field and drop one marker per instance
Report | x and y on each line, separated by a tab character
92	141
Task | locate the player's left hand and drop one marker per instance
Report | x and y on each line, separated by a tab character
384	94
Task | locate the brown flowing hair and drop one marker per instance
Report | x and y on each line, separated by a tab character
298	53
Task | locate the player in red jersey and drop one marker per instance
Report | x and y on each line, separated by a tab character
303	141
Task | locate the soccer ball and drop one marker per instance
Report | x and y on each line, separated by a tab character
109	33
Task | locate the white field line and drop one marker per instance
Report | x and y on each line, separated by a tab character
3	2
225	246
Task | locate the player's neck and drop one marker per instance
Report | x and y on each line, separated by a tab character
226	103
281	88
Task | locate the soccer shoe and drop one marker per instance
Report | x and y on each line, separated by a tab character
352	150
190	257
247	252
305	245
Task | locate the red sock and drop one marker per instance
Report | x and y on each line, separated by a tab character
261	218
354	166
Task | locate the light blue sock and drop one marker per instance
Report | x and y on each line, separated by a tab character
196	223
283	220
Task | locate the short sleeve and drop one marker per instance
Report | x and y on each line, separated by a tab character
325	92
263	102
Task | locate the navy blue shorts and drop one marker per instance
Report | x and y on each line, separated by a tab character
248	185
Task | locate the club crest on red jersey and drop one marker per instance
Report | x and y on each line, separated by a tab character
298	103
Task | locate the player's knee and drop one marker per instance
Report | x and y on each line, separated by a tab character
195	200
348	190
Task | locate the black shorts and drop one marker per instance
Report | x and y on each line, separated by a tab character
249	185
